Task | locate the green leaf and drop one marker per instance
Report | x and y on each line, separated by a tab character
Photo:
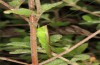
17	21
21	31
57	49
73	8
43	36
87	18
58	24
69	36
46	7
19	44
96	63
15	39
71	2
45	16
81	57
21	11
78	38
20	51
3	24
98	27
55	38
2	45
57	62
13	48
78	50
26	39
98	45
16	3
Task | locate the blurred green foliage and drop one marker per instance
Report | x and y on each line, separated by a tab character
56	15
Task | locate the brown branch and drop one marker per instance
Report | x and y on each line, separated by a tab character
33	42
33	37
11	60
72	48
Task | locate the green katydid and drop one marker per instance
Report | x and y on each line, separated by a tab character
43	36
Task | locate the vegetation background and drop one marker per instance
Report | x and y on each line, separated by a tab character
62	24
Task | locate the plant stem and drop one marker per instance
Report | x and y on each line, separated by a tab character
33	37
33	44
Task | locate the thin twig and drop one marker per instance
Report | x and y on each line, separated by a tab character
72	48
11	60
38	6
54	54
84	10
39	10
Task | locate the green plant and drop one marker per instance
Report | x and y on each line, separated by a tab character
51	30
